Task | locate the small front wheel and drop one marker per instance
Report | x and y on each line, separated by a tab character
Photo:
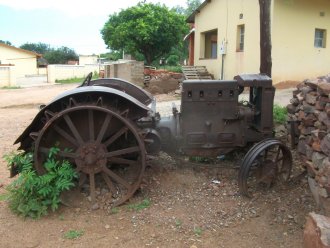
265	163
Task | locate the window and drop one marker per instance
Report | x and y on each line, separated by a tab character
210	49
240	38
319	39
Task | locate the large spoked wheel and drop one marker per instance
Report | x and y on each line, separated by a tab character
100	143
265	163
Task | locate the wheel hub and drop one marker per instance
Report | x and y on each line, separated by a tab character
91	157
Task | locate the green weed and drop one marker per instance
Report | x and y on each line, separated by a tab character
178	223
114	211
3	197
73	234
31	195
139	206
279	114
198	231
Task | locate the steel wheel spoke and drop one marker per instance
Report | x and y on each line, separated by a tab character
122	161
82	179
64	134
60	153
109	183
115	136
92	185
122	151
103	128
117	178
91	124
277	154
73	129
265	155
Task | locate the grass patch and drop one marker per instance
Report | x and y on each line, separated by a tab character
114	211
140	206
11	87
3	197
279	114
73	234
171	68
74	80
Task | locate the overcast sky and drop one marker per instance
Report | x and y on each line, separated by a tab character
72	23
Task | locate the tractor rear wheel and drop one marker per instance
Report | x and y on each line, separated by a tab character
100	142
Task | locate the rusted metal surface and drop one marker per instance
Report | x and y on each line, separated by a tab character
212	117
115	99
131	89
100	143
105	129
265	163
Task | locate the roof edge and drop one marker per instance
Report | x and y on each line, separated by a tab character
191	18
22	50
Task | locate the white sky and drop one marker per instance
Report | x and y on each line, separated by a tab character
71	23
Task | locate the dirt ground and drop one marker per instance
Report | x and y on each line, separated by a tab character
192	204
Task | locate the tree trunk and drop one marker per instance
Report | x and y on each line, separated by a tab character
265	38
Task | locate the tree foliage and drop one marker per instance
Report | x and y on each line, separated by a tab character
60	55
148	29
192	5
6	42
40	48
53	55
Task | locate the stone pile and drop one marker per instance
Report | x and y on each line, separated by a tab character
310	113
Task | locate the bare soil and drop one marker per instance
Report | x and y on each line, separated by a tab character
192	204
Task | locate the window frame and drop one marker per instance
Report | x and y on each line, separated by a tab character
209	48
240	42
320	38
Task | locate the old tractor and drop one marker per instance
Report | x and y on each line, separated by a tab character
106	128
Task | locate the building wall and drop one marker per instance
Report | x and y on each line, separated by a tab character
25	63
294	55
87	59
58	72
293	26
224	15
7	76
131	71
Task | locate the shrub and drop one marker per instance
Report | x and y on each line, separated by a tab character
173	60
31	195
279	114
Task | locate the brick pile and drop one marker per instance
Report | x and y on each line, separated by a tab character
310	112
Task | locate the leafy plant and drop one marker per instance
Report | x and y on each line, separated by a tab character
279	114
178	223
139	206
198	231
73	234
31	195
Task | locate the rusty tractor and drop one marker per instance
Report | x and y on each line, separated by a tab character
106	128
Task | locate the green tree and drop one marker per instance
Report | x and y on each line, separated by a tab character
148	29
40	48
60	55
192	5
6	42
